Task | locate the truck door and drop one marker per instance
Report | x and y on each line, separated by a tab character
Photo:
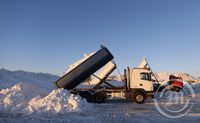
145	81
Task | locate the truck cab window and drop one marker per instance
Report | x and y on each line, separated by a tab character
145	76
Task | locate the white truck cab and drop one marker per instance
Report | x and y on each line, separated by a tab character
139	84
140	78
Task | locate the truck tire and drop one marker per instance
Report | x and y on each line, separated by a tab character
99	97
139	97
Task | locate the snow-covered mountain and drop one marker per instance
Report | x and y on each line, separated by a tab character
9	78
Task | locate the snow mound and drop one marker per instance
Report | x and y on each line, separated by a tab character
27	98
58	101
18	96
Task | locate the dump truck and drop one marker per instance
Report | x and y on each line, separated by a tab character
137	82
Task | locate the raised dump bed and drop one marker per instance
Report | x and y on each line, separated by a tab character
84	70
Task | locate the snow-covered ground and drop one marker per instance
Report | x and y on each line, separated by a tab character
115	111
30	97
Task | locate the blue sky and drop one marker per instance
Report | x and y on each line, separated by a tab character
48	35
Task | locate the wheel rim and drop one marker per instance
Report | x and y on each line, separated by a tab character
139	98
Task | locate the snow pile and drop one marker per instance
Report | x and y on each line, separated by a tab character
18	96
27	98
58	101
75	64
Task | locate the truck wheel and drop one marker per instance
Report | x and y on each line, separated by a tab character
99	97
139	97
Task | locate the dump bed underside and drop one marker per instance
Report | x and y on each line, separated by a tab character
85	69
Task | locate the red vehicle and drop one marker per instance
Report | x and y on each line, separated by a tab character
175	83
